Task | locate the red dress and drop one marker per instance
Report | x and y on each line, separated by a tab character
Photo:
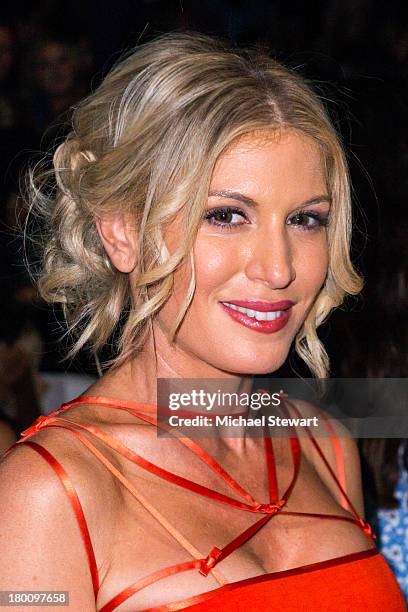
356	582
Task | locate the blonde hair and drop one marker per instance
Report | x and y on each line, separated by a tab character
146	142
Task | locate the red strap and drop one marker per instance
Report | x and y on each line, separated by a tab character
200	452
339	458
134	409
165	474
179	537
272	477
358	520
270	460
319	450
76	505
217	555
147	581
268	509
150	467
106	401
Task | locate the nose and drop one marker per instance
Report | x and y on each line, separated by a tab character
270	260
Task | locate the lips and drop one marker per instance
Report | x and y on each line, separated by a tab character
281	309
262	306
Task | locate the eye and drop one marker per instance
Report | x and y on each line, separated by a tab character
309	220
225	217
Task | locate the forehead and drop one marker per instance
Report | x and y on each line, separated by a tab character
270	158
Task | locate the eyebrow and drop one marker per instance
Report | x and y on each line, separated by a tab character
236	195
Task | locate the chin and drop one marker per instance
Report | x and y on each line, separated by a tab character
252	365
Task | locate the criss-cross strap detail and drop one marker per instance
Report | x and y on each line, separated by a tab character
200	452
147	581
175	533
134	409
195	448
217	554
154	469
253	506
271	509
204	565
365	526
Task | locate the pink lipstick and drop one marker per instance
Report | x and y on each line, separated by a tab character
264	317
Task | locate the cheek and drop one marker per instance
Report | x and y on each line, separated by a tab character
214	263
313	259
213	267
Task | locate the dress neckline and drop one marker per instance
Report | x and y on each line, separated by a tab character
205	565
317	566
269	508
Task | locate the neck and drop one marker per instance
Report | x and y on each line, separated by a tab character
143	377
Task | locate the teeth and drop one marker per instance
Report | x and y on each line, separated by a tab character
255	314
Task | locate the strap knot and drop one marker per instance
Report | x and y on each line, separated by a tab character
271	508
208	563
366	527
38	423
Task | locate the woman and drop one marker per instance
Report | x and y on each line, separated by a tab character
195	176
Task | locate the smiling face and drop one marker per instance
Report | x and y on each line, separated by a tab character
263	239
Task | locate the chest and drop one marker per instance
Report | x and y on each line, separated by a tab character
150	533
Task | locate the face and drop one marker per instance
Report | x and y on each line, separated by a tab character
263	244
56	68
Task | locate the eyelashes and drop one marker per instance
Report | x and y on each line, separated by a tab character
306	220
226	211
309	220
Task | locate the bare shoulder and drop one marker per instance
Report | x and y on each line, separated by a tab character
41	542
85	472
338	435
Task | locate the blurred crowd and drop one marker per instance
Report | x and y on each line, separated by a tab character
43	72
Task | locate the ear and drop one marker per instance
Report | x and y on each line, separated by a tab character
119	238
